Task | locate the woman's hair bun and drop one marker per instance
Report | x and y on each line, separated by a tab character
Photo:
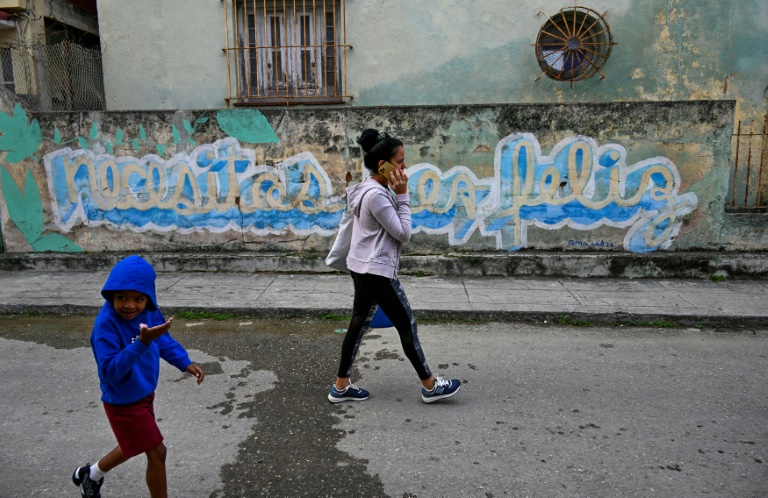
368	139
377	147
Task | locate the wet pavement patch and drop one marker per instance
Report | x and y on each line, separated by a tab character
291	449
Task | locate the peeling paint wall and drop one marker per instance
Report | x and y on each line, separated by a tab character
666	50
631	177
422	52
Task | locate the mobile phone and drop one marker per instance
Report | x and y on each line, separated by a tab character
387	169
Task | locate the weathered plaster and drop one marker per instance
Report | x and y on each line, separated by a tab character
695	48
421	52
459	146
163	55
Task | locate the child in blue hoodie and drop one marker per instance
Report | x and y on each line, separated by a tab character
129	337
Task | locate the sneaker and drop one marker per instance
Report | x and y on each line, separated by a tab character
88	487
351	393
444	388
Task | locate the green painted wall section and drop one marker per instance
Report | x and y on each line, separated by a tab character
666	50
246	125
26	211
20	139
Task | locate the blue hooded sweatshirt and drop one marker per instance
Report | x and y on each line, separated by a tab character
129	370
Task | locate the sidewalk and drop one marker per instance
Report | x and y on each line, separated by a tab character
564	300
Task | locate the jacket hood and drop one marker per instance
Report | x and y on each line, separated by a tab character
355	194
132	273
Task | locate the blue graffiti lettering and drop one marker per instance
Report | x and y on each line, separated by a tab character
218	187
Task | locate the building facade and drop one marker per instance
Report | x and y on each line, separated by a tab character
421	52
604	127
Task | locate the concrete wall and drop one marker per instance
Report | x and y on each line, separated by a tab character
163	55
167	55
620	177
452	52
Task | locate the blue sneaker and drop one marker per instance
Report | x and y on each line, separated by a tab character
444	388
351	393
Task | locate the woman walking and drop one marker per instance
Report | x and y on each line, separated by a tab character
382	224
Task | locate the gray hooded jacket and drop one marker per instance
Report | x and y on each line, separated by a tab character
381	225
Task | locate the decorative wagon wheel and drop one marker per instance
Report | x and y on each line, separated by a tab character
573	44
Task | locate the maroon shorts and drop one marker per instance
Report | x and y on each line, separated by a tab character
134	426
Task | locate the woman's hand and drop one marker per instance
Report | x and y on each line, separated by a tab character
398	181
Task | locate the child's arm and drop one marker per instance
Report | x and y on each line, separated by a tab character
173	352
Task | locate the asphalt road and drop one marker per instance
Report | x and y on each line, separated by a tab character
545	410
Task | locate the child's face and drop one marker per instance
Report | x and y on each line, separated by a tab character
129	304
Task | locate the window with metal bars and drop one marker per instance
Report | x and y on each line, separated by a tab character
286	51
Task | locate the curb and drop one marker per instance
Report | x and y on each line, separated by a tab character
430	316
698	265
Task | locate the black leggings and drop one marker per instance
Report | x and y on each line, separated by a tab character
372	291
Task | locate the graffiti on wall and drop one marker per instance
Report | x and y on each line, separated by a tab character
219	187
20	139
580	185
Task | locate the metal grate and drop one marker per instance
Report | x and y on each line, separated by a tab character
59	77
573	44
286	51
749	186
